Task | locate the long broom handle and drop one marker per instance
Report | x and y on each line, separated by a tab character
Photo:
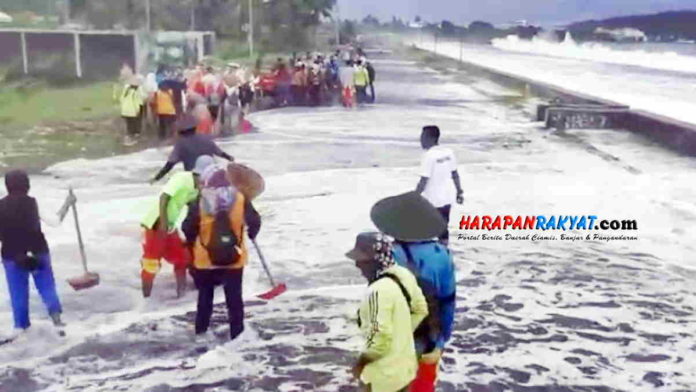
263	262
79	235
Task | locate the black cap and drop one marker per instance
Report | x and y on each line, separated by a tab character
408	217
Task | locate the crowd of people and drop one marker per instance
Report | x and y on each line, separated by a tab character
407	316
220	98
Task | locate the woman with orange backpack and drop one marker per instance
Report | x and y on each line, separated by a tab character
214	227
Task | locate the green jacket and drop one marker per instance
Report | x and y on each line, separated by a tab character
131	100
182	190
361	78
387	324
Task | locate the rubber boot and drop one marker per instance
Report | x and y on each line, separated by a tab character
148	280
180	275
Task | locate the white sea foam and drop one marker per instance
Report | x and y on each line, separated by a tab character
598	52
648	88
324	170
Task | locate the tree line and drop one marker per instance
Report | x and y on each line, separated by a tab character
280	23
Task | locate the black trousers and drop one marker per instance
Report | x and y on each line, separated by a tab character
445	212
214	110
133	125
166	122
314	94
231	281
298	95
372	93
361	92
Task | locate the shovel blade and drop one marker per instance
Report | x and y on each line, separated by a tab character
89	279
274	292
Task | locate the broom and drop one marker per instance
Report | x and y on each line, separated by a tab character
88	279
277	289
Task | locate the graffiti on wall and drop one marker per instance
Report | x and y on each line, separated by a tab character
565	119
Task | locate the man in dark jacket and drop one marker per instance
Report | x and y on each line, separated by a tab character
189	147
371	73
25	251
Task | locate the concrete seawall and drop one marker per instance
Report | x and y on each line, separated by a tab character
672	133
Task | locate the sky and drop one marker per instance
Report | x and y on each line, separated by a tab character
543	12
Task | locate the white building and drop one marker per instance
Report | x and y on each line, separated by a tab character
624	34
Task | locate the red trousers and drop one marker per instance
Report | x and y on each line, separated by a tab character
426	378
170	247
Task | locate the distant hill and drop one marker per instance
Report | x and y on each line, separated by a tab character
665	26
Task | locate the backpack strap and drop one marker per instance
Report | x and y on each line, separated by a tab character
396	280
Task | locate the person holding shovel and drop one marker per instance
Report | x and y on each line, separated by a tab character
214	228
161	239
25	252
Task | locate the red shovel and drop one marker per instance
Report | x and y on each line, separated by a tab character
277	289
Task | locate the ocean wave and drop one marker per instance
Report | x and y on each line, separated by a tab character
597	52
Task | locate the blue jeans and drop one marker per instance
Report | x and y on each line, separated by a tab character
18	284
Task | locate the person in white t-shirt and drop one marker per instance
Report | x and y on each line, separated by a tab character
439	182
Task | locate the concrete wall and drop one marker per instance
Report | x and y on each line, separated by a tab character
672	133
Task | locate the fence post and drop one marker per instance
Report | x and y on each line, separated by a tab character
136	48
78	54
25	59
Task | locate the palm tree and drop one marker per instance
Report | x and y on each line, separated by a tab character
313	10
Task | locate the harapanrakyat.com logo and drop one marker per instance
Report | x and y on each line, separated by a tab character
552	227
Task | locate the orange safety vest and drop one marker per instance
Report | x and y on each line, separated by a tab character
165	103
201	259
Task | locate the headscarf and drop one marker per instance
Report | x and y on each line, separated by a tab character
384	256
217	194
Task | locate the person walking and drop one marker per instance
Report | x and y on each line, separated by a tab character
189	147
131	100
298	85
25	252
431	262
160	237
415	224
314	81
388	316
165	109
214	228
283	80
361	80
439	182
215	94
371	74
346	76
